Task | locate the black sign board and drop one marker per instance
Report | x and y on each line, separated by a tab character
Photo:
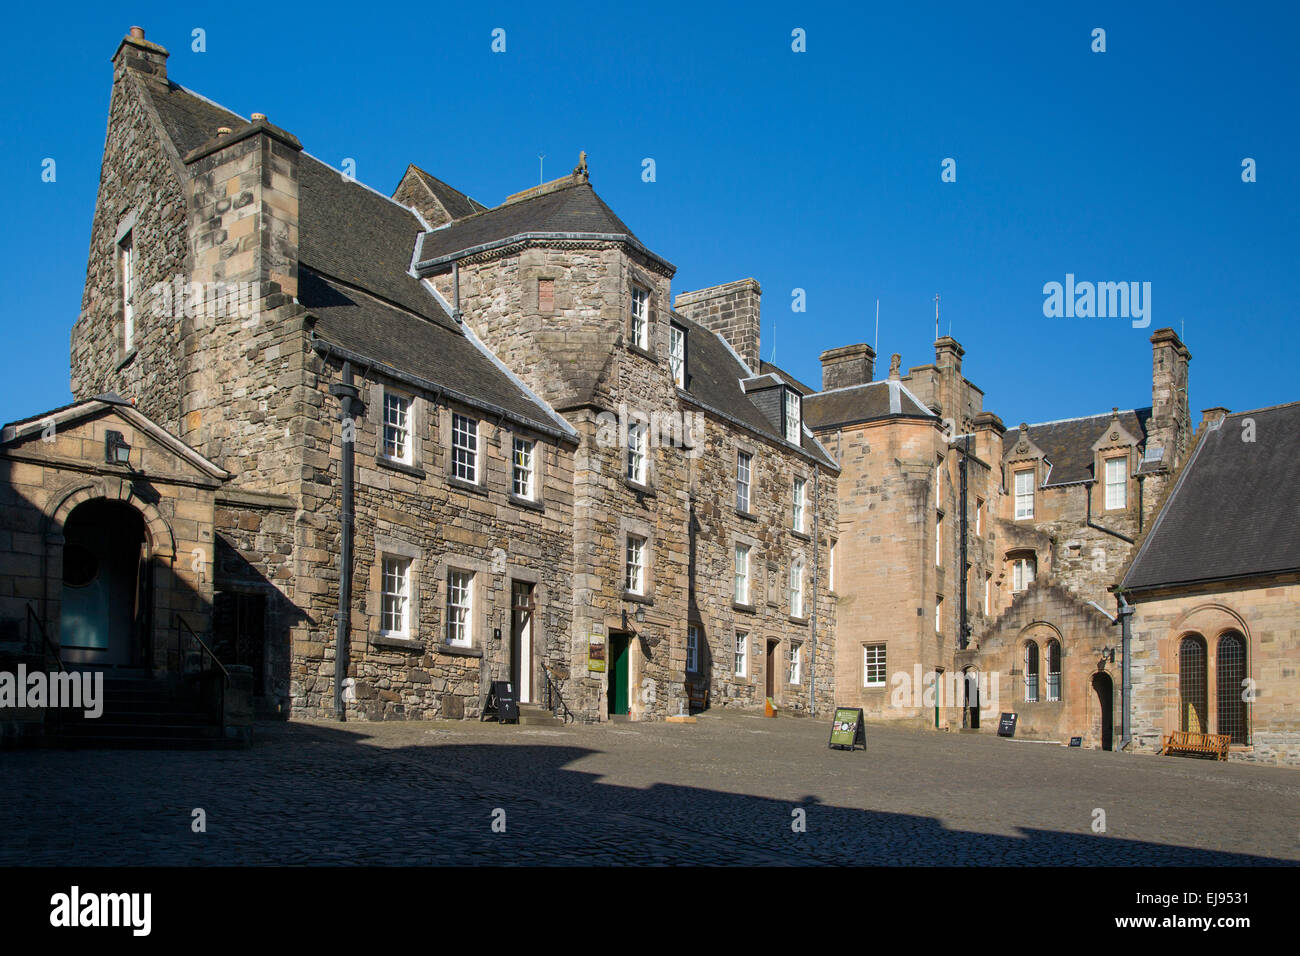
1076	741
1007	725
847	729
501	703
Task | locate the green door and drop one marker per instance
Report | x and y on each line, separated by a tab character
618	673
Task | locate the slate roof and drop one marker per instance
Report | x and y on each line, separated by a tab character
354	249
1067	444
457	204
713	376
862	403
1234	510
569	209
767	368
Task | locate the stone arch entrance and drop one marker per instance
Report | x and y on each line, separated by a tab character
106	589
1104	690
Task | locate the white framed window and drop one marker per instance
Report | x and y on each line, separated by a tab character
979	516
464	448
1022	572
460	607
938	484
988	594
397	427
938	614
744	467
873	665
1024	494
938	541
797	519
741	591
796	588
1116	483
523	470
793	416
692	648
641	317
634	576
395	596
677	354
795	675
830	570
636	452
126	267
742	654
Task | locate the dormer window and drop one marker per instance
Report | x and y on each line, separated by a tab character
1024	494
1116	483
641	318
793	416
677	354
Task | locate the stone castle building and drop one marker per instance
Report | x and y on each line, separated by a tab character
498	442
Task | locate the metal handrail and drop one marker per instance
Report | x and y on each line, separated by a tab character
34	618
554	702
182	623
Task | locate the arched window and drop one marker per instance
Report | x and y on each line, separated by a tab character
1053	669
1031	671
1191	684
1231	661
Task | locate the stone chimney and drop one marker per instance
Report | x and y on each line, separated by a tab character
732	310
848	365
1171	423
1211	415
138	54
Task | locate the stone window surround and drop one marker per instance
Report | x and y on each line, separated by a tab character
793	647
751	450
800	473
538	501
1031	470
647	449
1105	460
445	419
756	581
686	353
641	529
798	555
415	426
480	611
635	283
885	664
125	226
386	546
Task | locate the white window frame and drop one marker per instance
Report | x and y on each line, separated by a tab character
637	458
464	453
741	656
398	431
938	614
395	596
1116	484
692	649
938	541
797	518
874	664
830	570
793	416
127	266
794	674
744	480
677	354
460	608
1023	571
523	468
742	585
634	564
979	516
988	593
796	588
1024	491
641	317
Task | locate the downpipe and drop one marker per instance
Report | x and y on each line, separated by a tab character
349	405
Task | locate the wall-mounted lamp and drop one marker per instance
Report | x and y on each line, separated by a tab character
1107	657
639	615
116	450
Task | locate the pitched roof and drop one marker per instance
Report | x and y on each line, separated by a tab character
1233	511
1067	444
855	404
713	377
767	368
457	204
568	210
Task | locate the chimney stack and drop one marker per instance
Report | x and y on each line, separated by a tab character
848	365
138	54
1211	415
732	310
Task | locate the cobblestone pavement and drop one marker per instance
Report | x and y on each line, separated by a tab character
721	791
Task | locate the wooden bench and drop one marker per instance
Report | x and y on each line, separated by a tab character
1186	743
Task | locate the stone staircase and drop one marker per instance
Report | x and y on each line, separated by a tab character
535	715
142	714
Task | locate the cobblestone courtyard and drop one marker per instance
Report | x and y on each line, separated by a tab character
721	791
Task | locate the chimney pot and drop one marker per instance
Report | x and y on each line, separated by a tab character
137	33
223	130
258	117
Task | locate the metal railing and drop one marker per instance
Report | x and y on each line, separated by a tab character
34	618
552	700
204	652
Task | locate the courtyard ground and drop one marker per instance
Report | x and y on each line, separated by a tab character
721	791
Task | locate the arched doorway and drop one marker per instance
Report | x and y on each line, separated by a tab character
104	615
970	678
1104	688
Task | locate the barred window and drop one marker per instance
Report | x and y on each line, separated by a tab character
1192	685
522	480
1053	669
873	665
460	605
744	464
464	448
395	588
634	579
1031	672
1231	661
397	427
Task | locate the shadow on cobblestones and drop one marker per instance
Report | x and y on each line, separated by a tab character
319	795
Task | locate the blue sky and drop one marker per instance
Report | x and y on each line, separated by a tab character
817	170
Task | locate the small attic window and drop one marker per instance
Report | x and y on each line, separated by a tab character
677	354
793	416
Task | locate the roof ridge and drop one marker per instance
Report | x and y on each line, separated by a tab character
1081	418
368	188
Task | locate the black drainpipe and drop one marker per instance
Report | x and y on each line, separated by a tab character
812	662
1126	632
963	634
347	394
1087	491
